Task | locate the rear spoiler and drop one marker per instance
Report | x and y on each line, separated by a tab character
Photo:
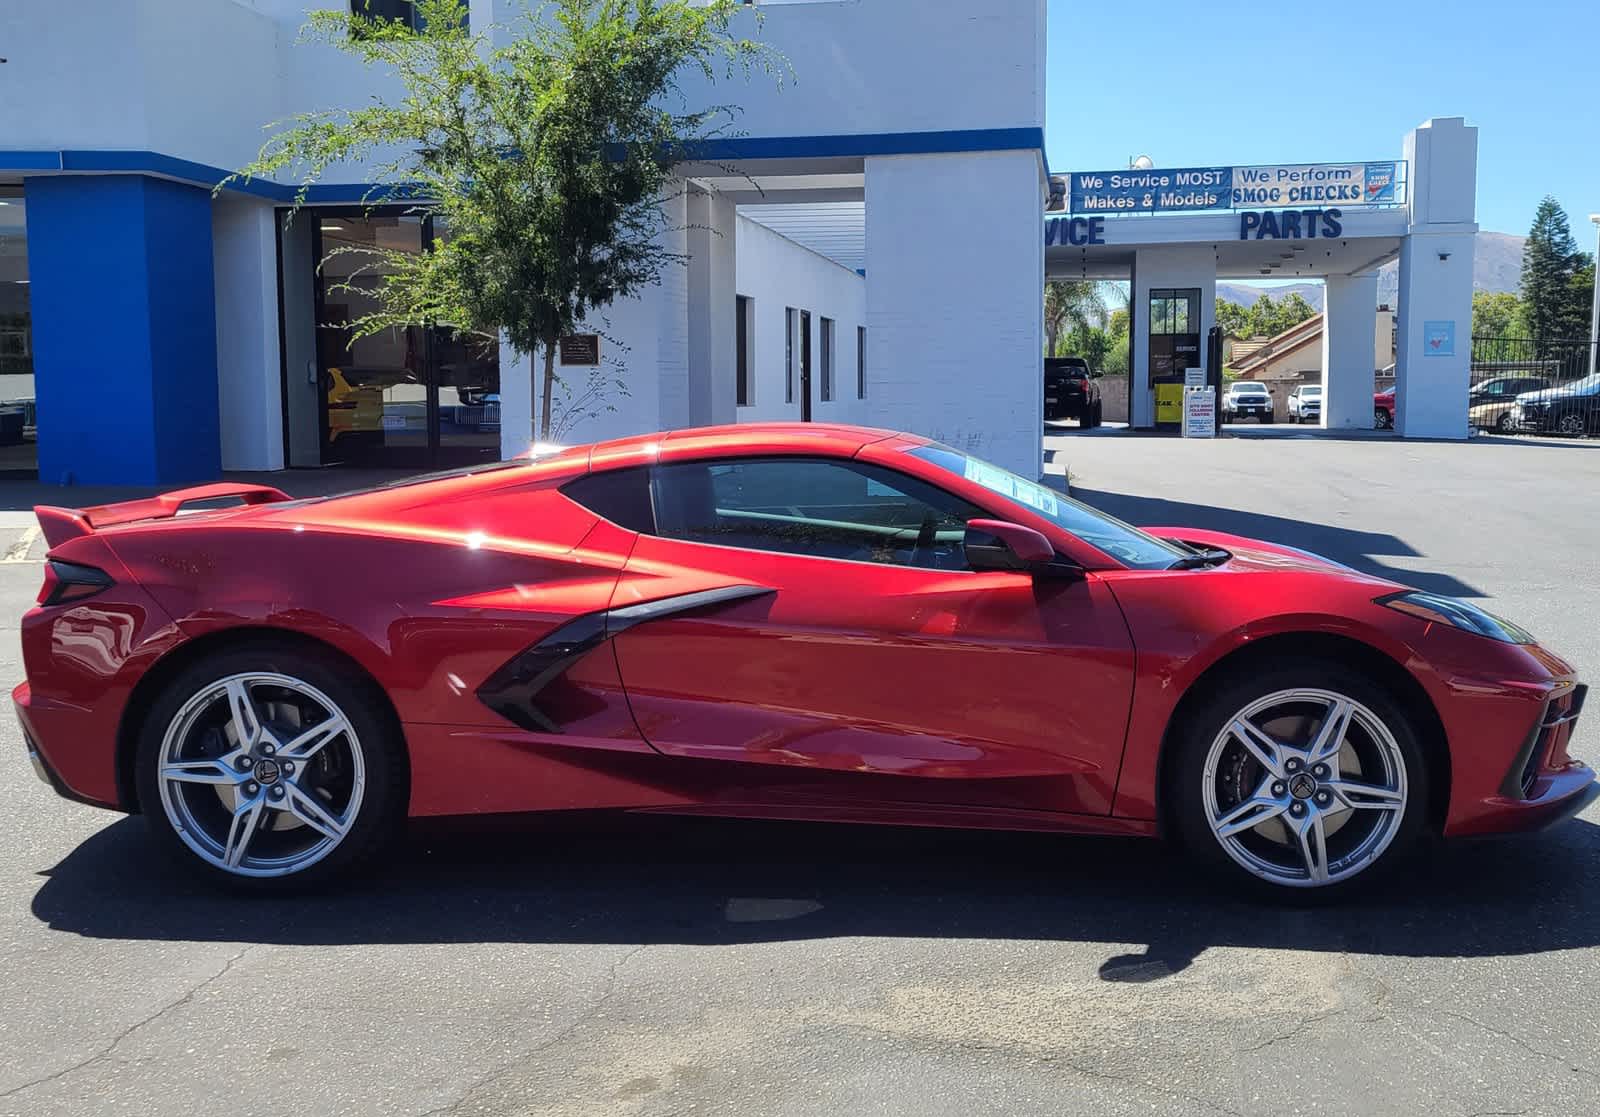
61	524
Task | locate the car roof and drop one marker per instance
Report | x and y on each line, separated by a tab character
736	440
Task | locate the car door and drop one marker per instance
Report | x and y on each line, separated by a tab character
864	660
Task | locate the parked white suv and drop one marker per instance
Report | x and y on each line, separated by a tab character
1305	403
1247	399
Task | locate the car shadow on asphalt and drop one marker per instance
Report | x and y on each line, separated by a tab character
1358	549
637	880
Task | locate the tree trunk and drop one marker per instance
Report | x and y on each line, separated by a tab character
549	387
1050	334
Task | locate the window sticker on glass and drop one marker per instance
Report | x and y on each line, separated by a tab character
998	480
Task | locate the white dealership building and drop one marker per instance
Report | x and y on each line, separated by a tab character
870	248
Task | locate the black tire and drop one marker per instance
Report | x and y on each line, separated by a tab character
1204	724
1380	419
381	811
1266	418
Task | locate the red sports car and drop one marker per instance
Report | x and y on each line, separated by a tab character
1383	409
778	621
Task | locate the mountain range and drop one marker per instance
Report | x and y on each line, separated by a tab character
1496	266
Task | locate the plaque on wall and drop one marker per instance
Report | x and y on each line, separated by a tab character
580	349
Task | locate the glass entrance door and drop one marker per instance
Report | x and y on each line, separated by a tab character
404	397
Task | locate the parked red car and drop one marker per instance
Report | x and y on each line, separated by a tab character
1383	409
768	621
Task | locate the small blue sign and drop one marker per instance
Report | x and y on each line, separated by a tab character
1380	184
1438	339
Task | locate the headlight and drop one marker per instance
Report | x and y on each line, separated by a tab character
1439	609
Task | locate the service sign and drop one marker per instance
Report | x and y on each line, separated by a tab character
1192	189
1189	188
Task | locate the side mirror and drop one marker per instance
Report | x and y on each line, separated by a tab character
1097	373
998	545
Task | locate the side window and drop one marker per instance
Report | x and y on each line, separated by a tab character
619	495
807	506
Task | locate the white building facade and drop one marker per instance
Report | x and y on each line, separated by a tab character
871	248
173	334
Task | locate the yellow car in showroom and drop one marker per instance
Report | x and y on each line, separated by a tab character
370	401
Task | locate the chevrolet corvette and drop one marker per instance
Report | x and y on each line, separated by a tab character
785	621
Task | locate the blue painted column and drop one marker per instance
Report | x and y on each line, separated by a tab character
124	330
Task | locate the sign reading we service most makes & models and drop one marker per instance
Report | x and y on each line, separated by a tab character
1189	189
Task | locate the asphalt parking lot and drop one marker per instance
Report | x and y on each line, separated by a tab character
696	967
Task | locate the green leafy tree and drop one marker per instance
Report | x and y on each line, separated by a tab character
1290	312
1116	358
1233	318
1265	317
1089	342
545	156
1494	313
1554	306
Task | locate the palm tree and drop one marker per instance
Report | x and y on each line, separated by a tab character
1073	303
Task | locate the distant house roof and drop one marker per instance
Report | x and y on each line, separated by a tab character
1289	341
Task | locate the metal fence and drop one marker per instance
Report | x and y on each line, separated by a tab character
1534	386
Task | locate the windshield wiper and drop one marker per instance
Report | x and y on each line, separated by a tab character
1209	556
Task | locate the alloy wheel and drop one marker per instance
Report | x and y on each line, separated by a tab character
1305	788
1571	424
261	774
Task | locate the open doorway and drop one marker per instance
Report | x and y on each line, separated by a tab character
411	397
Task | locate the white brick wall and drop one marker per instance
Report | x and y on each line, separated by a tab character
955	267
777	273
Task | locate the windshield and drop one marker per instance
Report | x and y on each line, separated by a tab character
1249	389
1127	544
1310	393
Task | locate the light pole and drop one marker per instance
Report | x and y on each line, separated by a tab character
1594	314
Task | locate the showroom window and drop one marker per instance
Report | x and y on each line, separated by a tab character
861	362
791	318
744	320
19	448
808	506
402	11
827	359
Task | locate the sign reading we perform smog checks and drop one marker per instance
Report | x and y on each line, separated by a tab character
1191	189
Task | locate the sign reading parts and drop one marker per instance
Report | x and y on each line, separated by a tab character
1294	224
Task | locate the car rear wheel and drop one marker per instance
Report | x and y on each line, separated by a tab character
1304	780
1571	423
269	766
1503	422
1380	419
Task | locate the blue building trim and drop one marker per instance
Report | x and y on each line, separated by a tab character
733	149
124	329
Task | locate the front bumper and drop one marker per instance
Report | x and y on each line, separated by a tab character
1542	785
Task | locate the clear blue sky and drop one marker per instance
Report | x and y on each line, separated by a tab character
1221	84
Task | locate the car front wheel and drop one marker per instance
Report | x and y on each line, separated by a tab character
1300	780
266	766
